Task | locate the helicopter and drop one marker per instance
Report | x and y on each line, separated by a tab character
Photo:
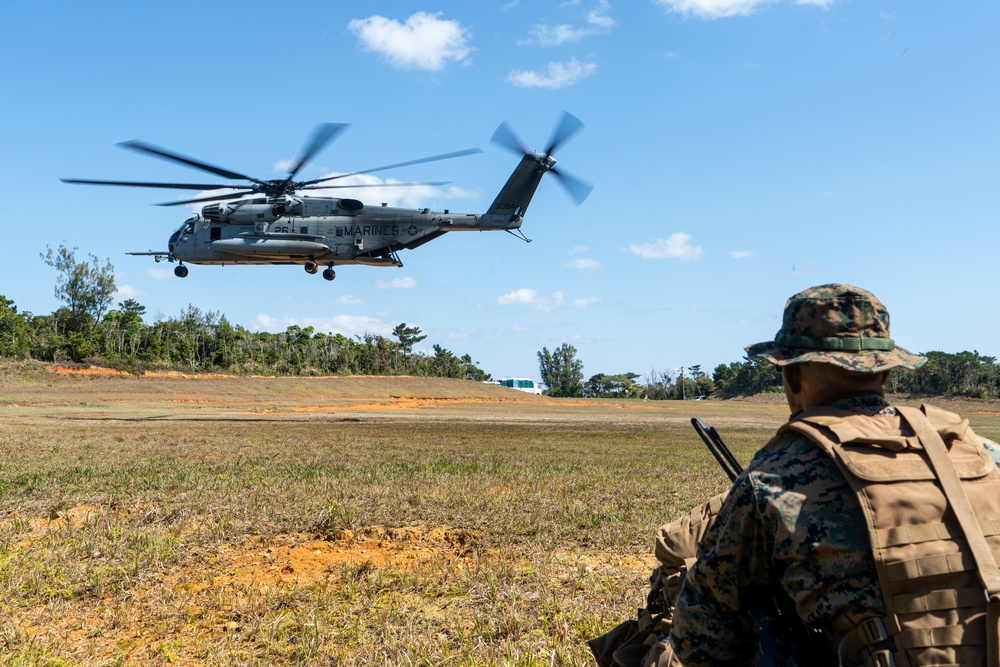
269	222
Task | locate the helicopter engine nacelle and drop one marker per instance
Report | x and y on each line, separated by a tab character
220	212
248	213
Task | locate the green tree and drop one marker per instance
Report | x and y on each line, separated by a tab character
621	385
561	371
14	337
445	364
87	288
408	337
122	332
473	371
746	378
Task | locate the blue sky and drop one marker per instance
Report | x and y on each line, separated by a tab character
740	151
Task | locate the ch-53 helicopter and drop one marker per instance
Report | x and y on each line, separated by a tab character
274	225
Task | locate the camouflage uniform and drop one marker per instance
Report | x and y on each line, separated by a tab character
791	522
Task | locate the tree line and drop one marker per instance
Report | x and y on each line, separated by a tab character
968	374
86	329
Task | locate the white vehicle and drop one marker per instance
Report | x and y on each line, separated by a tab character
521	384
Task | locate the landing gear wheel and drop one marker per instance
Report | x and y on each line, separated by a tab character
181	271
329	274
311	267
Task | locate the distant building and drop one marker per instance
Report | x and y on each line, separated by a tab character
521	384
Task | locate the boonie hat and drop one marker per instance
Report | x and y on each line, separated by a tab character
836	324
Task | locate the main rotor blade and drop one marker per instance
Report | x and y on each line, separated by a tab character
191	162
320	138
444	156
231	195
374	185
140	184
577	188
504	136
568	126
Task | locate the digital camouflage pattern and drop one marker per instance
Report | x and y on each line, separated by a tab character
836	324
790	522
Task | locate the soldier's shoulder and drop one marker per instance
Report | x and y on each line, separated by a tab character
791	461
784	450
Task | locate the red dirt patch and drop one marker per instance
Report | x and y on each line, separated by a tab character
303	559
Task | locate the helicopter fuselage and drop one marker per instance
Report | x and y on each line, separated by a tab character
321	230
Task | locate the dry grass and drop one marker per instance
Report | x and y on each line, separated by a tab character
233	521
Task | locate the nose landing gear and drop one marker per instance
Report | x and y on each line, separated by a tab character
311	267
329	274
181	271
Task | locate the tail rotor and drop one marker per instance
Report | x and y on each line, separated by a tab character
569	125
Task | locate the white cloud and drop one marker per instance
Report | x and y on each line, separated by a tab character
677	246
719	9
598	20
126	291
546	35
714	9
160	274
348	325
740	254
348	300
525	295
584	264
547	304
425	41
529	297
397	283
578	249
265	322
600	15
586	302
556	75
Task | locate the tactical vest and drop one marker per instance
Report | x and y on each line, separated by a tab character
930	494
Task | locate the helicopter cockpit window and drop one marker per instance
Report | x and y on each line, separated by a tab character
188	227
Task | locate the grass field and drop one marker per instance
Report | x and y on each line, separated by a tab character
337	521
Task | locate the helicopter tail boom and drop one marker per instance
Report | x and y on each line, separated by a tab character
517	192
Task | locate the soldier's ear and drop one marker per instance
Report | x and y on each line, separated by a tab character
792	375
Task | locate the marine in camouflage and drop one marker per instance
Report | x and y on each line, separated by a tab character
791	521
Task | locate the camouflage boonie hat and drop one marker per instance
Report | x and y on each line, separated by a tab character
836	324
